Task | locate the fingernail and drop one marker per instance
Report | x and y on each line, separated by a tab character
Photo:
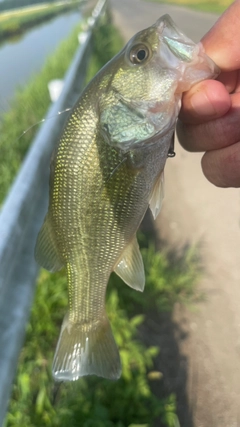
201	104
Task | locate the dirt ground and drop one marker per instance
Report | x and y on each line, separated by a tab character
205	369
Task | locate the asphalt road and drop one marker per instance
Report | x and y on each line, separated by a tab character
195	211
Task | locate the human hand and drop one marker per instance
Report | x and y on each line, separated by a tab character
210	113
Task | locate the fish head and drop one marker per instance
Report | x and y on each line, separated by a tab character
145	82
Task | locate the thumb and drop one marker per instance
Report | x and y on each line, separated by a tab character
205	101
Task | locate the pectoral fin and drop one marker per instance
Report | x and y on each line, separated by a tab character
130	267
155	202
46	253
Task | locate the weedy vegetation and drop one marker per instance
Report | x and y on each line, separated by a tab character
89	402
214	6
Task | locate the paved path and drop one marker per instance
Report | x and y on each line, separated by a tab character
195	211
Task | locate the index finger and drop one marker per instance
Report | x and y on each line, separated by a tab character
221	43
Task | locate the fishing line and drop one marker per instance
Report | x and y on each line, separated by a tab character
116	168
44	120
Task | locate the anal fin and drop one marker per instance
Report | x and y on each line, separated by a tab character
46	253
130	266
155	202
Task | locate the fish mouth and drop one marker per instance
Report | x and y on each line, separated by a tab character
178	51
175	40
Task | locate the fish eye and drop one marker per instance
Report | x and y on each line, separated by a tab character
139	54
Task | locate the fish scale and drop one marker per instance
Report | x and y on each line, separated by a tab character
105	172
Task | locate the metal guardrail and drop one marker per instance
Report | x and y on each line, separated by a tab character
21	217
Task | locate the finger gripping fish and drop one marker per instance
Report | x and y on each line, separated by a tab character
105	172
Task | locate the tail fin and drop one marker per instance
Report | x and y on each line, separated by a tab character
84	350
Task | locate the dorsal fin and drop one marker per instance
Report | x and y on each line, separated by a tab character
130	266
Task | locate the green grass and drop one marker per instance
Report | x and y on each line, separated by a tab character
14	24
90	402
213	6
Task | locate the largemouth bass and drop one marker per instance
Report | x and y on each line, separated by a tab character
105	172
